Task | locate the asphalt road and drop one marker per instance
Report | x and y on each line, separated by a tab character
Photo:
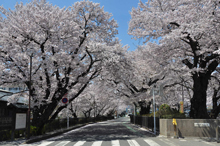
117	132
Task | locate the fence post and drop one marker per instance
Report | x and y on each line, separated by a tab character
134	113
217	135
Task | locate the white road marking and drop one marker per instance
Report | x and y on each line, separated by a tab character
63	143
115	143
79	143
97	143
133	143
168	142
151	142
44	143
208	143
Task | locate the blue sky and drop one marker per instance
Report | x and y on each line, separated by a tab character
119	8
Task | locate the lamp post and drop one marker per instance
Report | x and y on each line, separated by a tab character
29	105
154	112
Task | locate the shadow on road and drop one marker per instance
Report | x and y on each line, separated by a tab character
105	131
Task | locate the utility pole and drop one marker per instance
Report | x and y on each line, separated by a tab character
29	105
154	112
68	112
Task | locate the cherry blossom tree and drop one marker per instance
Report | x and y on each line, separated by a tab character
97	100
188	34
68	48
134	75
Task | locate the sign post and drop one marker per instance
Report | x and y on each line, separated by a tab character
65	100
217	129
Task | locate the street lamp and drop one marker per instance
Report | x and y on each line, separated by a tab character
156	91
154	111
29	104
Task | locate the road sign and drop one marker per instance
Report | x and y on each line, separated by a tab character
64	100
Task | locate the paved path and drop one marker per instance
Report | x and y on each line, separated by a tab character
116	133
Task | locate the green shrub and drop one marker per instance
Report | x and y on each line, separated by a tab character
174	115
5	135
165	112
33	130
164	109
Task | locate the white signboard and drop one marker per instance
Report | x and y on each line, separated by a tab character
20	121
201	124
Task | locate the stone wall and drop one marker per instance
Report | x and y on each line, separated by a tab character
190	127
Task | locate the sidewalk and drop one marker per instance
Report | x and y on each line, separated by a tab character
40	137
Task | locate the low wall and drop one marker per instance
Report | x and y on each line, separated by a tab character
189	127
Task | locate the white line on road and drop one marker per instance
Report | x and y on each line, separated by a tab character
115	143
133	143
151	142
97	143
79	143
208	143
45	143
63	143
169	142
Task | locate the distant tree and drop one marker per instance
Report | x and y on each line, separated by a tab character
145	107
97	100
133	75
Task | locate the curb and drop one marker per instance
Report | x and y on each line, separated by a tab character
46	136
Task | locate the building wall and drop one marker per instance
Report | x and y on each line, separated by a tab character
5	116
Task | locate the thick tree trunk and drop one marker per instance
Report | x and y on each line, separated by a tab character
198	102
216	108
41	116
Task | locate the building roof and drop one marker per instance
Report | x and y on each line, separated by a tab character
7	94
5	91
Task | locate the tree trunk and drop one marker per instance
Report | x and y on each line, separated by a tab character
41	115
74	115
145	107
216	108
198	102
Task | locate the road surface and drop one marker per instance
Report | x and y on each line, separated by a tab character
117	132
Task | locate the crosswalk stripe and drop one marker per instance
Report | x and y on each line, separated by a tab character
208	143
46	143
169	142
151	142
97	143
63	143
133	143
79	143
115	143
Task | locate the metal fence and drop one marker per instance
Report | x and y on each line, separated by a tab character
146	122
53	125
62	123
